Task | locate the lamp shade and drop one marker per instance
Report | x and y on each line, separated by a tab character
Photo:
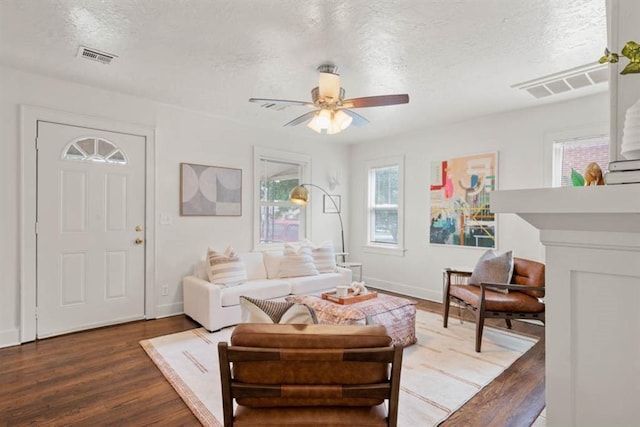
299	195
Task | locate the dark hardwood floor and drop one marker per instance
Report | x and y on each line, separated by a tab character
103	377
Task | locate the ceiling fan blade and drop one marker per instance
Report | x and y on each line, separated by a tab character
279	104
301	119
376	101
358	120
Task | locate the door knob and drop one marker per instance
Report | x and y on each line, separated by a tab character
139	241
138	228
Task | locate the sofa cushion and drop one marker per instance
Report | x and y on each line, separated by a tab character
262	289
225	268
297	262
254	265
309	284
268	311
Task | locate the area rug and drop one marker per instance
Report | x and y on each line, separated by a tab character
439	373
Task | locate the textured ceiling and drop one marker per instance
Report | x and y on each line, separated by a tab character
455	58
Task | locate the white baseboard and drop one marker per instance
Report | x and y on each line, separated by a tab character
9	338
166	310
404	289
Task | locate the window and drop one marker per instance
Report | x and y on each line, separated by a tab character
94	150
385	208
576	154
277	220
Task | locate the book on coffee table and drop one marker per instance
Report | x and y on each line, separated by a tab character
349	299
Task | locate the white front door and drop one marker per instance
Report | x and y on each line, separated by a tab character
90	228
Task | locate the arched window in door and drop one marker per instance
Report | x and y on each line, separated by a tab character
94	150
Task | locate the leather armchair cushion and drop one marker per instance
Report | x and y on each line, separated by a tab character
498	301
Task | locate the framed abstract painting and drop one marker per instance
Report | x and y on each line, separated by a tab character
210	190
460	210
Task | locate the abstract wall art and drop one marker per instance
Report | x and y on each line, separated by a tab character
210	190
459	193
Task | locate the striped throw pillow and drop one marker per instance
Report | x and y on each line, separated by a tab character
324	257
225	268
282	312
296	263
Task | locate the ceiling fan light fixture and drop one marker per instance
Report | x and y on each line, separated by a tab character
341	119
323	119
313	124
332	112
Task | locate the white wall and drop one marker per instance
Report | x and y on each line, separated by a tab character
517	136
181	136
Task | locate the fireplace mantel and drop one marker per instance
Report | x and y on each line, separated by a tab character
592	243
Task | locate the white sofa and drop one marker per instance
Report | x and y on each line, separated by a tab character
217	306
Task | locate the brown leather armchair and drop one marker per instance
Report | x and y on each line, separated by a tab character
329	375
521	302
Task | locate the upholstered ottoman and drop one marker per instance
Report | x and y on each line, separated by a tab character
397	314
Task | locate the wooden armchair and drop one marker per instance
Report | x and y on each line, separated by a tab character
329	375
521	302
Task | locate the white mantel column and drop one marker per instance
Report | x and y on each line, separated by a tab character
623	25
592	254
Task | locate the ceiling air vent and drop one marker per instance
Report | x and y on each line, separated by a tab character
95	55
565	81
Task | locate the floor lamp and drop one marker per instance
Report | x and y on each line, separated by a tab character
300	196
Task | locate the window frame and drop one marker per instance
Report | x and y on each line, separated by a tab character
395	249
598	130
304	161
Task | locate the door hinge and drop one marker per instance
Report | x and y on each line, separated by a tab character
36	228
36	313
37	143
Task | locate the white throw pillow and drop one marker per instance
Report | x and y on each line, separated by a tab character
267	311
225	268
272	261
324	256
254	265
296	263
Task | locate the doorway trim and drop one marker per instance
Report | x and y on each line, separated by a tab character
29	118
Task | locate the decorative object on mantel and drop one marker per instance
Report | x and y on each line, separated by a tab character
577	180
593	175
630	147
630	50
623	172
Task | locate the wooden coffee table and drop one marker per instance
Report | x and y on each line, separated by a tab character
397	314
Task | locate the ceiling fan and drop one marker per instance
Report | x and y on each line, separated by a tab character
332	113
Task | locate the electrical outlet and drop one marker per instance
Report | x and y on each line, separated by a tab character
165	290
